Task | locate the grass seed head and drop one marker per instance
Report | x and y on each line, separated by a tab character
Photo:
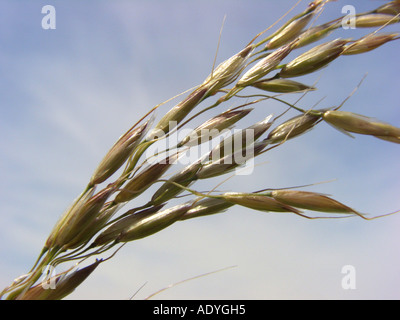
265	66
289	32
241	138
72	211
292	28
293	127
375	20
64	285
115	230
69	283
81	218
310	201
214	126
214	169
314	59
169	190
392	8
88	232
281	86
226	72
179	112
118	154
352	122
258	202
143	180
145	226
314	34
206	207
369	43
230	162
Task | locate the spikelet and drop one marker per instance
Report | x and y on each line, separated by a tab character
230	162
64	285
140	224
81	217
146	226
179	112
351	122
76	206
265	65
240	139
258	202
214	127
390	139
143	180
314	34
281	86
118	154
289	32
375	20
369	43
115	230
228	71
169	190
206	207
293	127
292	28
310	201
392	8
314	59
88	232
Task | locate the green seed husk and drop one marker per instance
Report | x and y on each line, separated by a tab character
315	33
206	207
314	59
281	86
94	226
118	154
226	72
351	122
117	228
258	202
369	43
81	218
240	139
179	112
265	66
293	127
230	162
144	226
64	285
375	20
169	190
290	32
143	180
214	126
392	8
310	201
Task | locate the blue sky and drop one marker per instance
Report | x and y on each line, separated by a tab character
67	94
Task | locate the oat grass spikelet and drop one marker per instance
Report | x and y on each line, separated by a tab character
350	122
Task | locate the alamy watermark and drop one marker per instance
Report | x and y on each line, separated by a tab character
349	20
349	278
49	20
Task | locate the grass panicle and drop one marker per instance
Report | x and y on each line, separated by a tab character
95	223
